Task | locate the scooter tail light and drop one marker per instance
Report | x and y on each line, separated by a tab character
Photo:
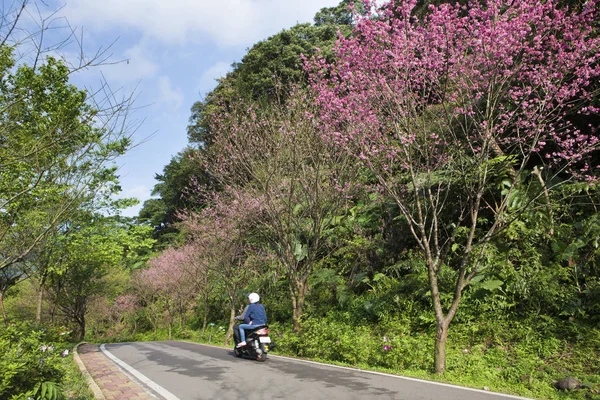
262	332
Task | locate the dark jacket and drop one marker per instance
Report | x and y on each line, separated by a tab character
242	316
256	314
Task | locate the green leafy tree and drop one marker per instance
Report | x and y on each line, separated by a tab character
341	15
94	248
56	141
52	156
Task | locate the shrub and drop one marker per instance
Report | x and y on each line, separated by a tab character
30	362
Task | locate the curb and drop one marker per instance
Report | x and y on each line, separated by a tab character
91	383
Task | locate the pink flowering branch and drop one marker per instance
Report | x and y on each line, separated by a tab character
170	283
219	235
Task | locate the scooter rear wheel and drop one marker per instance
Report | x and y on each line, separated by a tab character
262	353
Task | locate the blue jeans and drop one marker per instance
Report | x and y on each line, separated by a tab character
242	333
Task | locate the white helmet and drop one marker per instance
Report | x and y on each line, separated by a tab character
253	297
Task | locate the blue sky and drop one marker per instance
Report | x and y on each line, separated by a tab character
175	49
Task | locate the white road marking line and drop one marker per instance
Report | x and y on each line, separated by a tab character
141	377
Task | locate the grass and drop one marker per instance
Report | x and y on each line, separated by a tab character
75	385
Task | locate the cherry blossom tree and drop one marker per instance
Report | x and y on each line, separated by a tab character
197	270
152	308
219	236
459	115
276	156
167	282
125	307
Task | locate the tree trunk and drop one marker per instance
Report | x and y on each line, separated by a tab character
3	310
297	291
231	323
81	322
40	300
441	335
442	322
153	320
182	322
205	320
170	325
78	314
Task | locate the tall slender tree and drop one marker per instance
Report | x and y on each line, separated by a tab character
277	156
219	234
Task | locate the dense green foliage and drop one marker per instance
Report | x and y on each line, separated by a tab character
53	157
31	361
173	191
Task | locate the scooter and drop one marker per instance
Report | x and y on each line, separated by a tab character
257	345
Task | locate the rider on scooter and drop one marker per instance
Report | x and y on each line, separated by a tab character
254	315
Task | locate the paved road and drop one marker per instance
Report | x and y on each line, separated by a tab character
188	371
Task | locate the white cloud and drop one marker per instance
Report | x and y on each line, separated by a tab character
140	192
173	97
225	22
208	79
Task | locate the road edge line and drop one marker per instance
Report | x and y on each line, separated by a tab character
138	375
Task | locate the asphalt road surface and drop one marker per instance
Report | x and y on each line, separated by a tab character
189	371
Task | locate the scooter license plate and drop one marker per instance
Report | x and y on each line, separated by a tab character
264	339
